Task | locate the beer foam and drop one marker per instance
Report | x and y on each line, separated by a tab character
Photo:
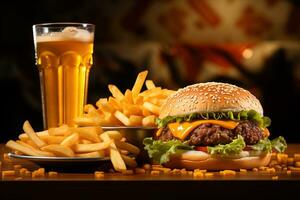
68	34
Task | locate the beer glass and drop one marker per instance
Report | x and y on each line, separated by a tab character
63	53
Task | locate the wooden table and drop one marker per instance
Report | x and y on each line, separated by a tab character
146	186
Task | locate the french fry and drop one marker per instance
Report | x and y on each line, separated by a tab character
32	144
88	108
127	146
115	155
129	161
94	154
132	109
139	83
114	103
90	133
115	135
32	135
39	152
149	120
59	150
117	109
149	84
128	97
60	131
101	101
123	118
24	136
152	108
50	139
70	140
114	90
135	120
24	149
139	100
87	121
84	141
83	148
146	112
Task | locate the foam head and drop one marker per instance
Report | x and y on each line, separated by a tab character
67	34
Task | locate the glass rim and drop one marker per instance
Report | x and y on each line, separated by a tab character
60	24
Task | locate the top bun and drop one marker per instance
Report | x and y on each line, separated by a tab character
210	97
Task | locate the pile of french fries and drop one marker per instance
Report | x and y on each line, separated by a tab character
66	141
133	108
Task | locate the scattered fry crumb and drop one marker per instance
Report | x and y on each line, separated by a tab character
155	173
157	166
297	157
41	170
200	170
27	173
227	173
38	173
52	174
274	177
23	171
255	169
18	178
183	171
295	169
282	158
8	173
99	174
176	171
263	168
243	170
271	170
190	172
208	174
288	172
198	174
297	164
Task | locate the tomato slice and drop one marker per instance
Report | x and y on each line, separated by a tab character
201	148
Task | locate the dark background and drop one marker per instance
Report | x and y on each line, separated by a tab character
276	85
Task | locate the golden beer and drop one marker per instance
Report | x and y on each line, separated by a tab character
64	60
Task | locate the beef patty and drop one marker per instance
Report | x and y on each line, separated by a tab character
212	134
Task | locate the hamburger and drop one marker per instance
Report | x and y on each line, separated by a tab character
212	126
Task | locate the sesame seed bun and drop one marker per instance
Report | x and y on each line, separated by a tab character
201	160
210	97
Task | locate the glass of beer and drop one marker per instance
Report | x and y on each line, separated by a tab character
63	54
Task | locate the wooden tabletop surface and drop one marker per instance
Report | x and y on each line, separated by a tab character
251	185
65	175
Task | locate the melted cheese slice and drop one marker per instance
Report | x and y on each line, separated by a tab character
182	130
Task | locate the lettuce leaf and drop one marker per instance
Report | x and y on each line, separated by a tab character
243	115
279	144
266	145
235	147
263	145
160	151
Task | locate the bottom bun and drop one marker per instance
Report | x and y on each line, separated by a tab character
194	160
